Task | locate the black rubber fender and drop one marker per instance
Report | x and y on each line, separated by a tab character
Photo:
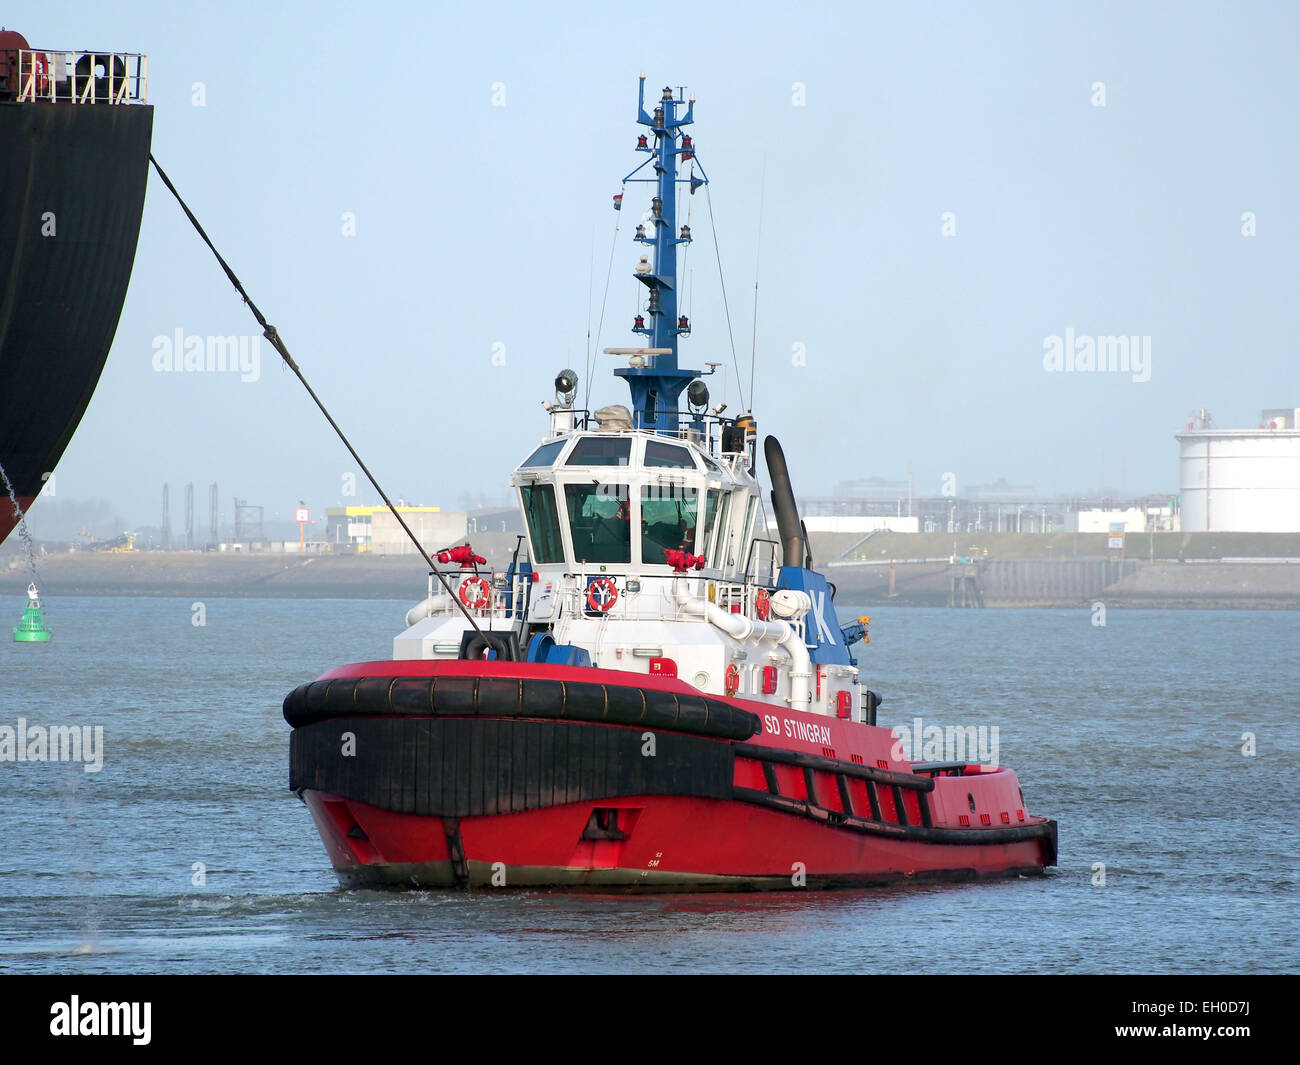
85	68
475	645
496	696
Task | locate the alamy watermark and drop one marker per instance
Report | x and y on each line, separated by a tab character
919	742
215	354
57	743
1102	354
77	1018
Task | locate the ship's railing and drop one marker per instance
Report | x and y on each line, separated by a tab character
506	597
761	563
83	77
745	599
510	595
656	600
704	429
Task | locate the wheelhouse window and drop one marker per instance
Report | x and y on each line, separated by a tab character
742	539
599	522
719	553
669	515
747	530
545	455
543	523
659	454
710	523
601	451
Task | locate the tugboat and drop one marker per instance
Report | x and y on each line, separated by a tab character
32	627
653	694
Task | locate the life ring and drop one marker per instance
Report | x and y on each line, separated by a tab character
609	596
481	595
733	679
763	604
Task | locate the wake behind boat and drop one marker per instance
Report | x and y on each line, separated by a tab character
653	694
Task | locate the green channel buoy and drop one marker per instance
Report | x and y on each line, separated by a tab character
32	627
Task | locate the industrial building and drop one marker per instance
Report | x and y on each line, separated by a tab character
1241	480
1128	519
374	529
999	508
841	523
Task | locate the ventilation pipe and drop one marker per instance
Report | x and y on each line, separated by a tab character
745	630
790	528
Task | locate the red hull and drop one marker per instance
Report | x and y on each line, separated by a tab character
8	520
680	844
452	794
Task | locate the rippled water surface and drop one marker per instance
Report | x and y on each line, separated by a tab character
1130	735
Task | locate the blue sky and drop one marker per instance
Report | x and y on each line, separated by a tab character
475	227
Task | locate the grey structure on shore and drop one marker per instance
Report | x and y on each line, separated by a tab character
1056	571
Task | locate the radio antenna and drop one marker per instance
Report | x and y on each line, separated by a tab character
758	247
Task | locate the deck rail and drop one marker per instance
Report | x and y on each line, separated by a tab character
114	78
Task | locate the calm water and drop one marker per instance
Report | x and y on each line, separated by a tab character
1130	735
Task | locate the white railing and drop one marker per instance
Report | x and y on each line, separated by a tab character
83	77
656	601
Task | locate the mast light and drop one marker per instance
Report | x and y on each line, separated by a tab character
566	387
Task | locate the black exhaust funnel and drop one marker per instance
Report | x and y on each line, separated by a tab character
789	527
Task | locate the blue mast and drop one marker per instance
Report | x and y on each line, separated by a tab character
657	385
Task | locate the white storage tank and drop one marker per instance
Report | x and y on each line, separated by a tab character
1241	480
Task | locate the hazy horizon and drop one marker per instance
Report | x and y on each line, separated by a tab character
420	201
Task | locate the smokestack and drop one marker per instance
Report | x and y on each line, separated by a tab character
788	524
